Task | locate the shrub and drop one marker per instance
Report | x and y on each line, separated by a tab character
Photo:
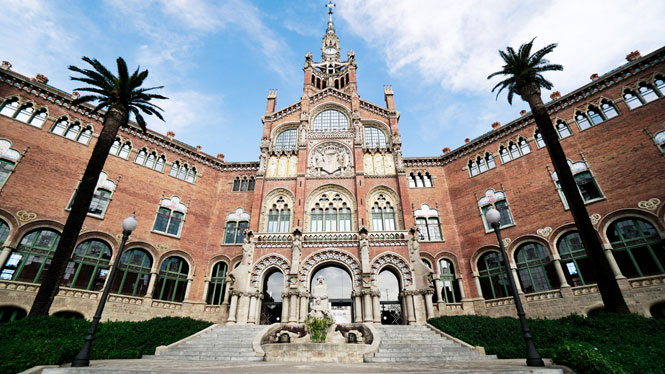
317	328
585	358
52	340
632	343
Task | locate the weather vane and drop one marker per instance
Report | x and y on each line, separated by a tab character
330	6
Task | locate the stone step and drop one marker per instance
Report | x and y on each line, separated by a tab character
205	358
173	353
421	351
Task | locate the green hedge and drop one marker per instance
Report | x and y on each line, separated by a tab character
53	340
612	343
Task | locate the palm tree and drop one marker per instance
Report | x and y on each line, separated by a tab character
524	78
120	95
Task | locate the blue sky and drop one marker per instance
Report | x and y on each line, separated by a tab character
217	59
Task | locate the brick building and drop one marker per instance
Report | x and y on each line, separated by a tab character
332	195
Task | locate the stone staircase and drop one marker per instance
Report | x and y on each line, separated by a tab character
219	343
408	343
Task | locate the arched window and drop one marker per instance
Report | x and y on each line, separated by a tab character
236	224
10	313
562	129
252	182
316	219
505	156
412	180
540	143
89	266
243	184
32	256
637	247
170	216
450	291
183	171
632	100
534	268
217	284
473	168
25	113
119	149
141	157
427	221
279	216
383	214
419	181
646	91
101	198
608	108
9	107
171	283
286	140
133	274
39	118
492	276
659	82
498	201
491	164
236	184
60	127
594	115
482	166
8	160
586	183
4	231
577	266
73	131
330	120
514	151
331	213
427	179
374	138
524	146
344	218
582	121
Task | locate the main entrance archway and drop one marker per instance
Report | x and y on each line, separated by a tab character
340	286
391	306
271	307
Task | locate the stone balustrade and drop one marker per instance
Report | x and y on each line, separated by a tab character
544	295
585	290
655	280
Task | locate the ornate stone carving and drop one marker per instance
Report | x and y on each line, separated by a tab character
265	263
83	228
25	217
422	273
330	159
162	247
330	255
651	204
595	218
507	241
240	275
544	232
396	261
296	250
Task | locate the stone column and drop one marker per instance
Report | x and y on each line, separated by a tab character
252	310
516	279
438	284
151	285
243	309
613	262
405	312
357	309
293	308
429	308
285	308
304	304
227	293
206	284
189	286
460	284
476	280
410	309
4	255
259	301
367	306
559	272
233	308
376	307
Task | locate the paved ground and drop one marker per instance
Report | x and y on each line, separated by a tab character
200	367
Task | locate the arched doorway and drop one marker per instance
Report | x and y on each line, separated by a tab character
391	307
340	286
271	307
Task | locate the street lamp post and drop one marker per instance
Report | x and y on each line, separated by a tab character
83	357
532	356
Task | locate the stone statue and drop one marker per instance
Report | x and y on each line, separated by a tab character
263	162
239	277
359	134
363	243
296	251
422	274
303	133
320	296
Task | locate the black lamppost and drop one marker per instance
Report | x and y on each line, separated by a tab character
83	357
492	216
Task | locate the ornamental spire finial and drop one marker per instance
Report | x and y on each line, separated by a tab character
330	6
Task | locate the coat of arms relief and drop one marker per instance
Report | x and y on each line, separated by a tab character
330	159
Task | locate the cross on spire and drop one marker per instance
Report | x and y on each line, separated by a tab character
330	6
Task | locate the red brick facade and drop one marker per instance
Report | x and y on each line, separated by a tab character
622	154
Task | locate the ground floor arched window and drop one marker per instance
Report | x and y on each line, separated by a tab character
171	283
391	306
30	260
89	266
493	280
450	292
217	284
534	268
637	247
133	274
577	266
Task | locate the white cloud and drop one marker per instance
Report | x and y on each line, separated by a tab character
455	43
186	112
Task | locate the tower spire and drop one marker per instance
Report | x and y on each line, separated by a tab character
330	6
330	47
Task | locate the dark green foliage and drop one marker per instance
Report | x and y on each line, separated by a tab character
631	343
53	340
317	328
585	358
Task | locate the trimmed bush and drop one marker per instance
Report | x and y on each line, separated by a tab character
585	358
631	343
54	341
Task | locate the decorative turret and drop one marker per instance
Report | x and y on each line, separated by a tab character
330	42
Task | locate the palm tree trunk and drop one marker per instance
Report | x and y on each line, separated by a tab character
117	115
607	283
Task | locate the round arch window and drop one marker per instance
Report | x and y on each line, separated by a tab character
330	120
